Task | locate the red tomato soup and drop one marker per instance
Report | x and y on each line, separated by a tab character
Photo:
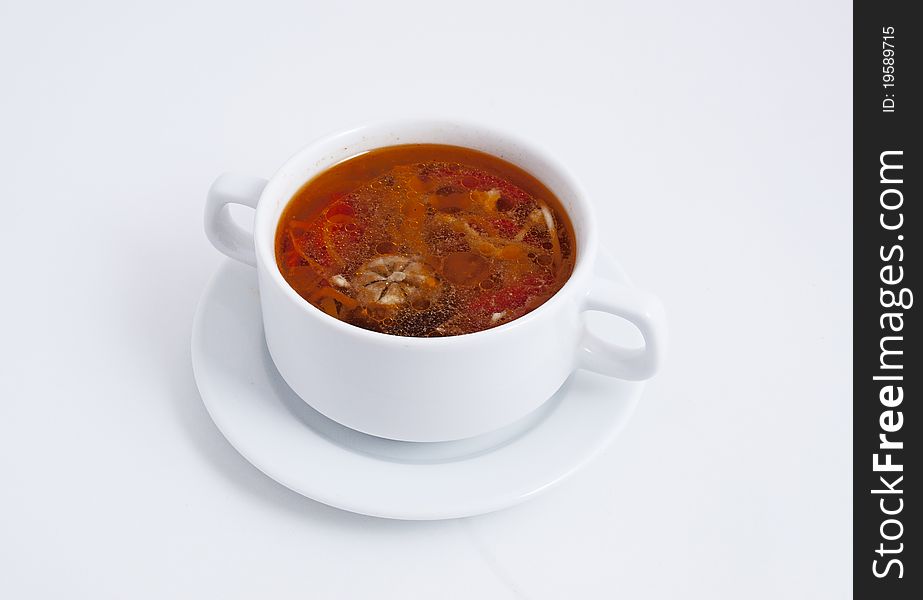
425	240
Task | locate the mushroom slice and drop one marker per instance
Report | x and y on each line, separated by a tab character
339	281
391	280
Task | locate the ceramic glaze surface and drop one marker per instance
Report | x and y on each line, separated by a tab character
300	448
461	386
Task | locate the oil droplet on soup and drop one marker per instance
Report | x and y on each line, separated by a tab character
425	240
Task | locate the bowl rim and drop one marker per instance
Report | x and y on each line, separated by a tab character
271	205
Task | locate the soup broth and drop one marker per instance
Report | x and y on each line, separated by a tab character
425	240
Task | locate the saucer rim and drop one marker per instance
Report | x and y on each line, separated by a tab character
457	508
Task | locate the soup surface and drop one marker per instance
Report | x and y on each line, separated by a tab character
425	240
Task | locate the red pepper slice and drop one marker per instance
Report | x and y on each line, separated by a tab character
505	228
501	300
513	296
474	179
309	242
538	281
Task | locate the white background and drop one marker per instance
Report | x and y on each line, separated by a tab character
715	138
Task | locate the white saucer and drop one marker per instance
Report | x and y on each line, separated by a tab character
318	458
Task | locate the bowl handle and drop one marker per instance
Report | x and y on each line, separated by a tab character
641	309
224	234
